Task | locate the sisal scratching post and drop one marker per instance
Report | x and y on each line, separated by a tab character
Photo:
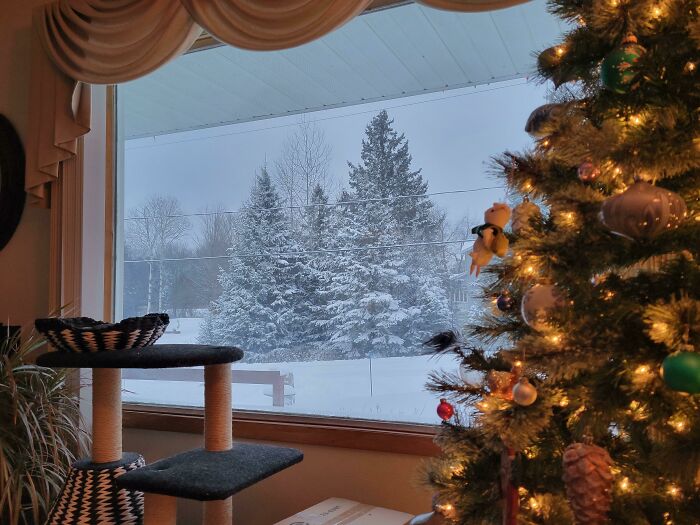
160	510
217	432
217	408
218	512
106	415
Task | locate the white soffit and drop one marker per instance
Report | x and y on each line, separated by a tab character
397	52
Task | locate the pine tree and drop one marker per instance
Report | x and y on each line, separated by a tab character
388	298
256	309
315	279
623	112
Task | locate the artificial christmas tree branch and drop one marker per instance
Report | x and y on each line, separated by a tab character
595	379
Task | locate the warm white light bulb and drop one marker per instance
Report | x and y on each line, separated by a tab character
642	370
673	490
625	485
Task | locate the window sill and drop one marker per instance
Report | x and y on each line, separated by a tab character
399	438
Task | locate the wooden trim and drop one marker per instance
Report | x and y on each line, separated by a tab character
65	249
55	252
110	212
399	438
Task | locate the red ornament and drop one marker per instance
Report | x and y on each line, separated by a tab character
588	172
445	410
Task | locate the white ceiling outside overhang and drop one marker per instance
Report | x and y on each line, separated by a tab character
397	52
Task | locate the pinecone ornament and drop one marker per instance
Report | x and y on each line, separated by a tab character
588	478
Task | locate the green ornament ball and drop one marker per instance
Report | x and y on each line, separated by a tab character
681	372
617	71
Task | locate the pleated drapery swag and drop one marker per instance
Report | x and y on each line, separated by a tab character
85	42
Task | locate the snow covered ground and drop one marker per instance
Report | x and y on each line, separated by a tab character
393	390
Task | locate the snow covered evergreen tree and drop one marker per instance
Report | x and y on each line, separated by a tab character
256	309
387	298
317	274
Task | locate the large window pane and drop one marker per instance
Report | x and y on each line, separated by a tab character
313	206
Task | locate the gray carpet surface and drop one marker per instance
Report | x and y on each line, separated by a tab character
202	475
156	356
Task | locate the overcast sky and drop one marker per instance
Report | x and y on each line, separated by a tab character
451	135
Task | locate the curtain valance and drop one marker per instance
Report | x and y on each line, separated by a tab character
85	42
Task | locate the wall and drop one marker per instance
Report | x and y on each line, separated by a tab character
382	479
375	478
24	261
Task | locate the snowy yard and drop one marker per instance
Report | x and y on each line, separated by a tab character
393	391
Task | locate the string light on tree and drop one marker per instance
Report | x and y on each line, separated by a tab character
625	485
679	423
555	339
446	509
534	504
642	370
674	491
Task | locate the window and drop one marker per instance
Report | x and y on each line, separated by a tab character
313	205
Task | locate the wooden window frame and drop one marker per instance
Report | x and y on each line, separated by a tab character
358	434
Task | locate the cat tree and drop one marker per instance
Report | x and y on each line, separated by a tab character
109	487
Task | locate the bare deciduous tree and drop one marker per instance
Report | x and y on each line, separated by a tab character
154	228
303	164
217	234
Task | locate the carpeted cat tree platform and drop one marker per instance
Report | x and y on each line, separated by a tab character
108	488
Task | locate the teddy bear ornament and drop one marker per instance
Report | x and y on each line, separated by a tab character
490	238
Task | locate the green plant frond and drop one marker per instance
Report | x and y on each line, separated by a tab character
39	433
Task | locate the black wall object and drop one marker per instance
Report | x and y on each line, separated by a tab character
12	194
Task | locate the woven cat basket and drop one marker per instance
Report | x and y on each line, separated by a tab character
90	495
83	334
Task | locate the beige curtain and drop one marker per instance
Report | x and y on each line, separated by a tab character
471	6
270	24
83	42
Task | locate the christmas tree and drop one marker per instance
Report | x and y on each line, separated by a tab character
585	408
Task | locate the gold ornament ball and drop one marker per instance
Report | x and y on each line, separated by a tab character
524	394
540	305
643	211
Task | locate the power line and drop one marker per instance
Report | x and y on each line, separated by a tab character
280	126
299	253
317	205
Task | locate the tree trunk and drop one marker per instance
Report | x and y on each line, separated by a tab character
149	301
160	286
